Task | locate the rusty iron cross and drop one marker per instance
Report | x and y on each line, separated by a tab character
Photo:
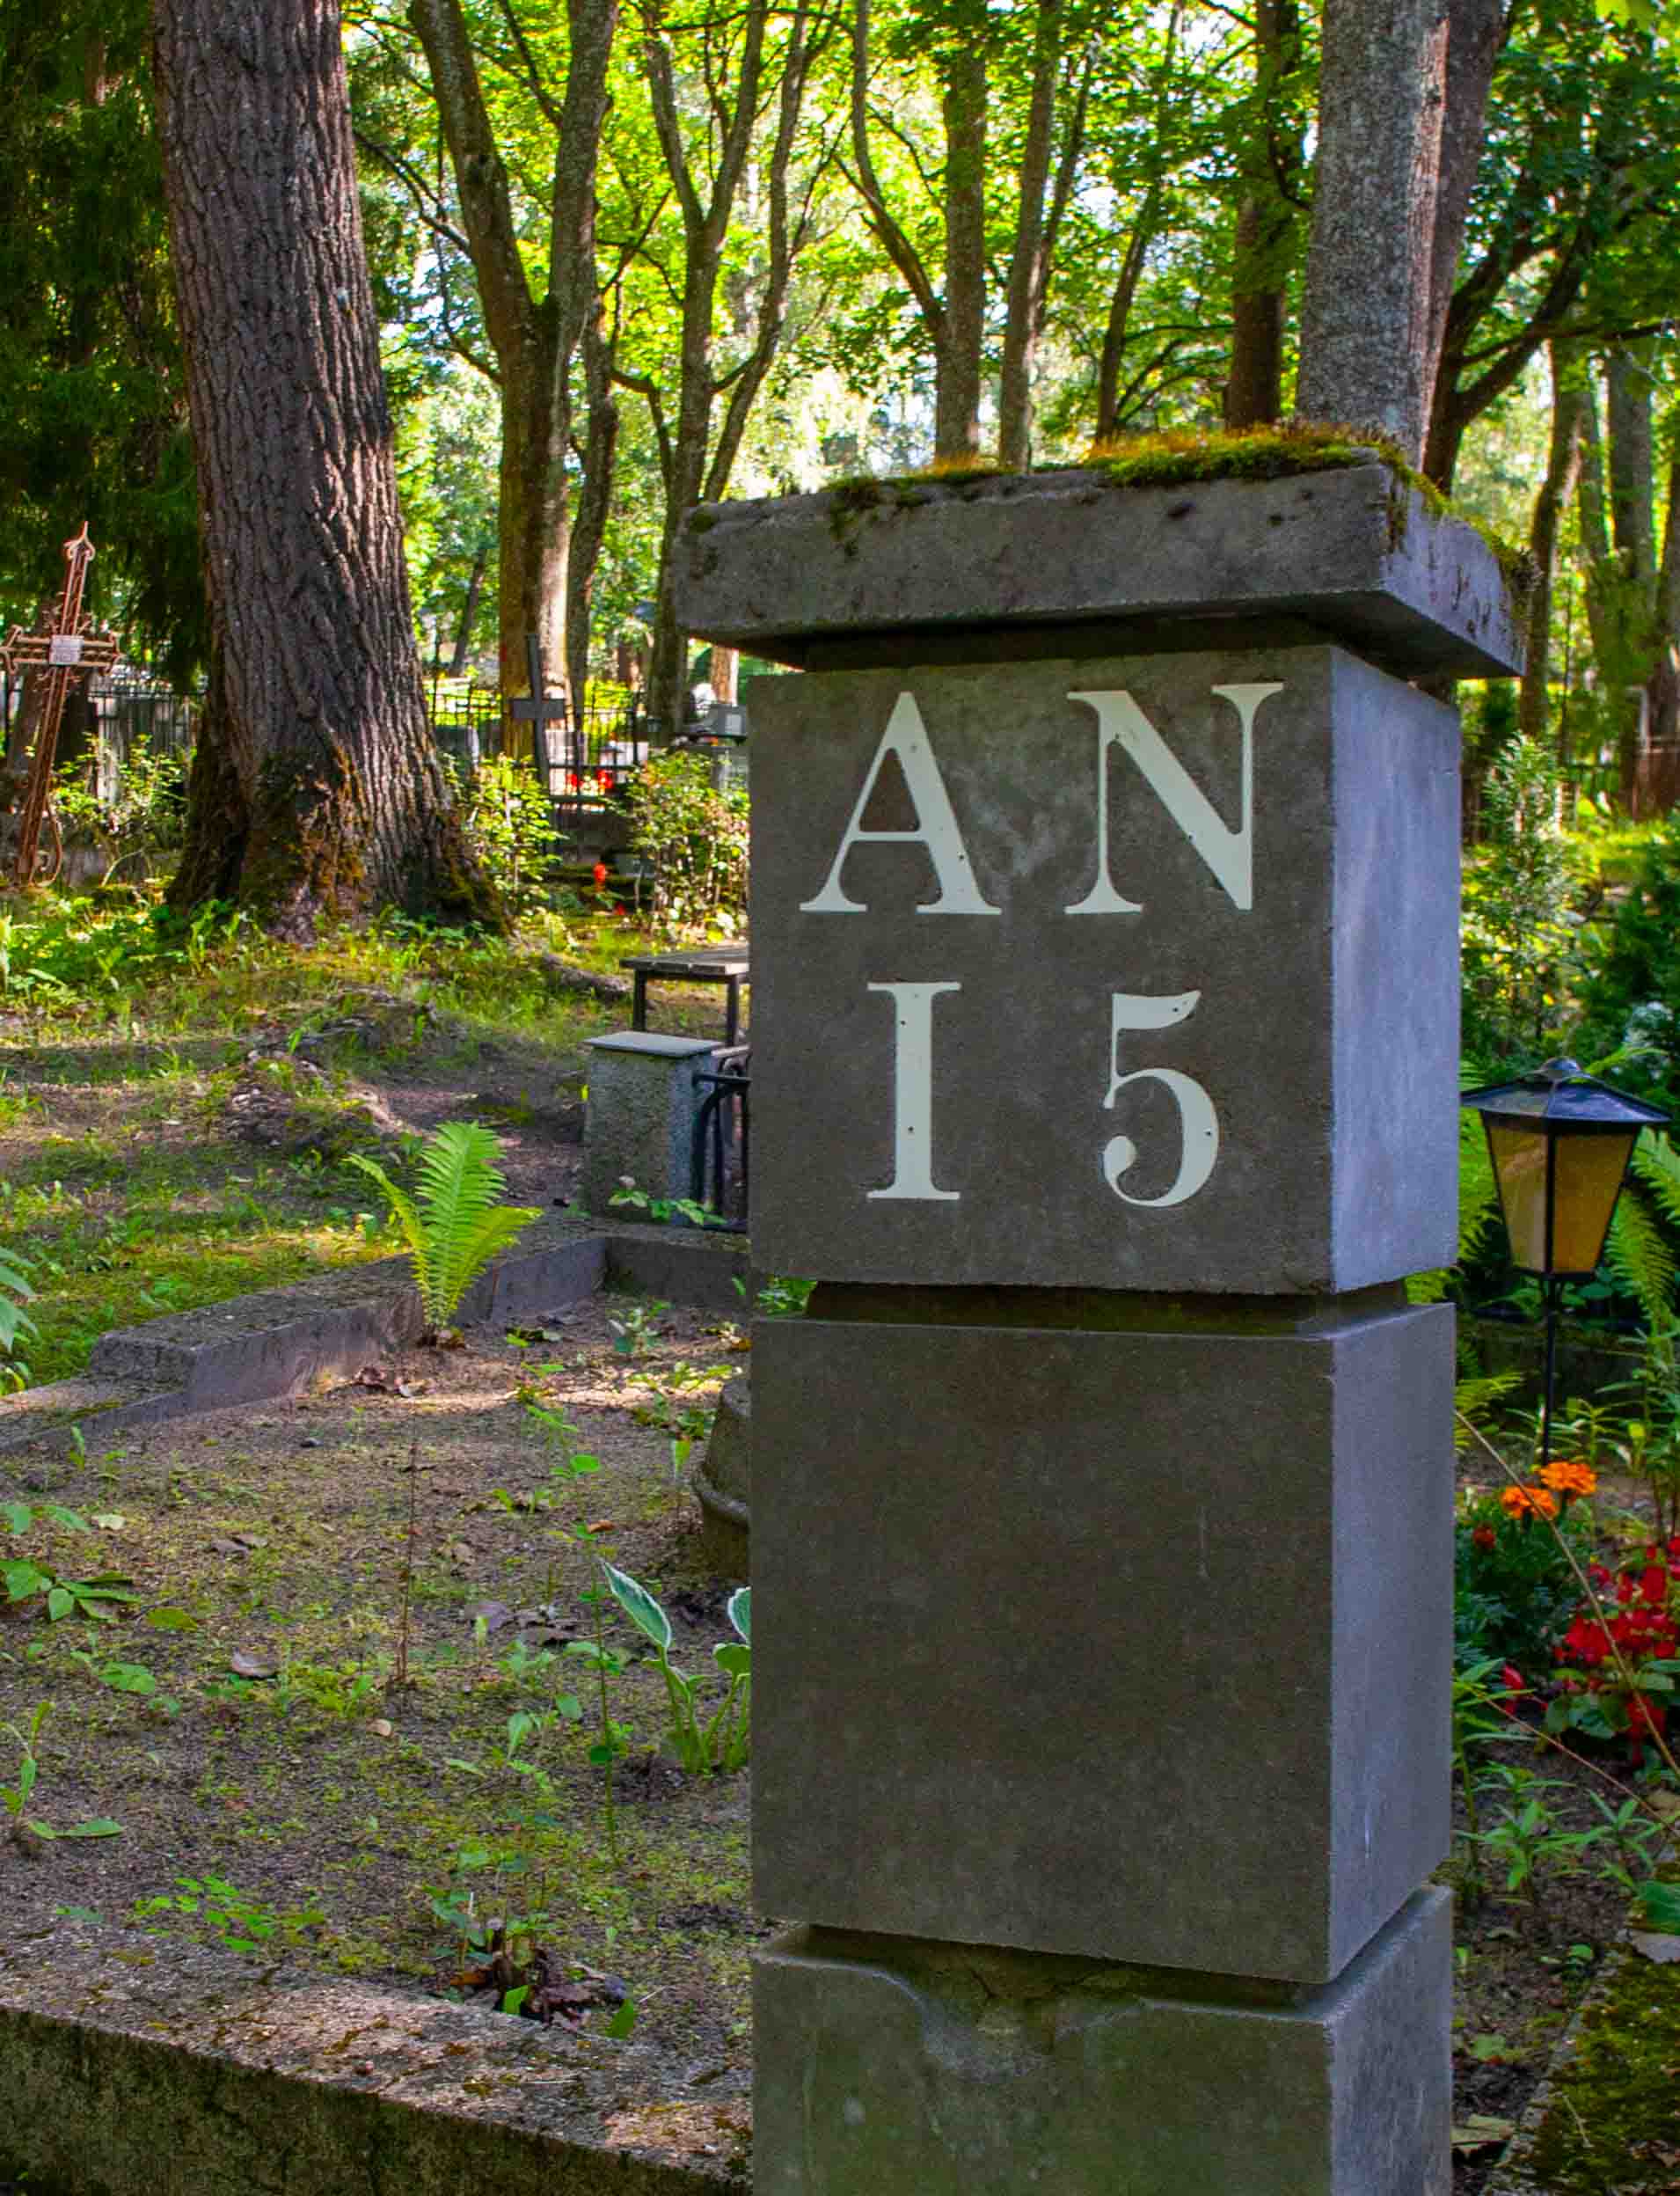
65	650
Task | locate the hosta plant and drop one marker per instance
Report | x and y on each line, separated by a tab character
703	1743
456	1225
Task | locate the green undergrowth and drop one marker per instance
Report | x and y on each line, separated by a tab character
135	1050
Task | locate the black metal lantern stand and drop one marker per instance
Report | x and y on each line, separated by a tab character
1560	1142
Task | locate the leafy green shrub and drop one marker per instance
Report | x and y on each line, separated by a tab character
83	951
147	819
1630	1002
1515	1590
455	1226
697	840
1517	929
509	824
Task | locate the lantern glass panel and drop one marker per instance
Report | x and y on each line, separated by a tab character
1590	1179
1519	1166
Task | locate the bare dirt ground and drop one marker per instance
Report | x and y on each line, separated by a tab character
336	1611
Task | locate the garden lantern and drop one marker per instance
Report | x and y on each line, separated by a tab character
1560	1141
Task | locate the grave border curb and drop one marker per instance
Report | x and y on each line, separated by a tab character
273	1343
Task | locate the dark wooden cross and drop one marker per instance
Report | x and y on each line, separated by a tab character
65	650
538	710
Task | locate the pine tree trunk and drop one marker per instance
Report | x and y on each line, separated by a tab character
318	790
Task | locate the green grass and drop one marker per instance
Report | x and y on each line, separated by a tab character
121	1037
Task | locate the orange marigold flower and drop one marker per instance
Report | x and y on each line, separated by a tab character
1524	1501
1568	1477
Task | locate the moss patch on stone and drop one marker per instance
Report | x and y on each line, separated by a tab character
1182	458
1610	2121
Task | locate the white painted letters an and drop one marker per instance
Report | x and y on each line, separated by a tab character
936	821
913	1092
1228	853
1199	1124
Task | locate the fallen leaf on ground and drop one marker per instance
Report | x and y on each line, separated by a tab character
1479	2131
244	1666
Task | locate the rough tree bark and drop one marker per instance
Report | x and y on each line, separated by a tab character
536	341
1367	334
1571	398
1266	224
317	790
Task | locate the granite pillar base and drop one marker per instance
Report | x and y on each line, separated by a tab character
886	2068
1062	1603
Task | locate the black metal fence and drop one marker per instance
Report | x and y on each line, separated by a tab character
586	755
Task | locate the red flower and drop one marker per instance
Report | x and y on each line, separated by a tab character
599	873
1485	1536
1654	1586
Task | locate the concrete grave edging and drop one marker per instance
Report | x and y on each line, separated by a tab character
187	2071
277	1342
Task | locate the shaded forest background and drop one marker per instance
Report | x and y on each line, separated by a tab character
626	259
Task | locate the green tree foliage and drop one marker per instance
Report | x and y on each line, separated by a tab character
94	424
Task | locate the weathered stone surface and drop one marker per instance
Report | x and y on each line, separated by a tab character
1133	1644
127	2064
940	2071
641	1120
1355	552
1304	980
722	1479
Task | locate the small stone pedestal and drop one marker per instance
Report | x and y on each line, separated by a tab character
1105	908
640	1118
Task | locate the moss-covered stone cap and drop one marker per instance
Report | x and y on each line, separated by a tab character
1355	551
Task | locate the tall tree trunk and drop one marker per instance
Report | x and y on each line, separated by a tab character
318	790
469	613
1476	31
1035	225
1120	312
1616	616
1266	222
1665	679
1571	396
595	501
535	341
958	377
1365	316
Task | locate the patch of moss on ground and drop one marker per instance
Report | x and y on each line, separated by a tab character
1610	2123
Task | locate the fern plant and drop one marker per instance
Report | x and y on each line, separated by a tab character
15	1322
454	1225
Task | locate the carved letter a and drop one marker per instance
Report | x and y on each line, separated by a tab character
906	737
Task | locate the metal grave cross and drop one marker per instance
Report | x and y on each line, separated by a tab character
538	710
65	650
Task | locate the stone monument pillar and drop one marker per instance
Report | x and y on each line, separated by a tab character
1105	930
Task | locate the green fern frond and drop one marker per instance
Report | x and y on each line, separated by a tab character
1473	1399
1639	1258
455	1227
1657	1164
1478	1192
